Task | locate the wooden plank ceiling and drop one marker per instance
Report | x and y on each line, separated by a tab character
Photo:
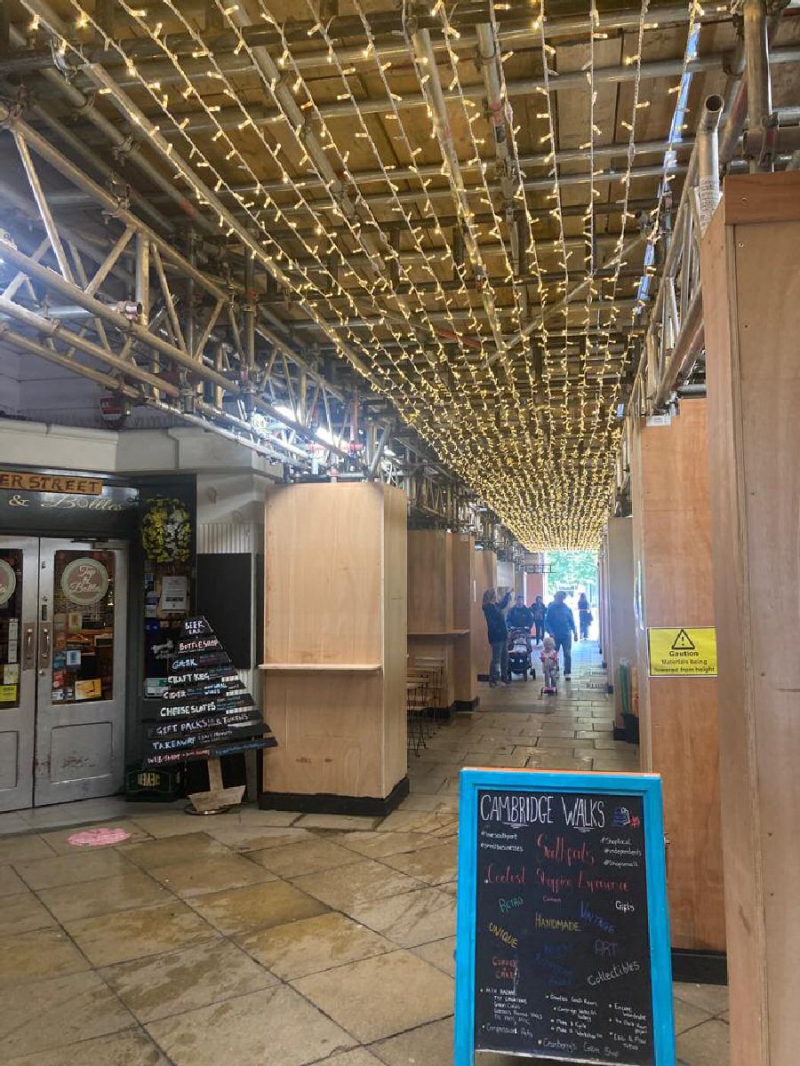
456	198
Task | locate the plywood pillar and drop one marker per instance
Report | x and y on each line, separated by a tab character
485	577
619	621
519	583
464	588
534	583
678	715
335	647
602	601
751	298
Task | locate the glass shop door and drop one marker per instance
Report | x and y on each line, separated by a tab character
62	670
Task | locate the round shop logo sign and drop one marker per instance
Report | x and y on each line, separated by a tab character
8	582
84	581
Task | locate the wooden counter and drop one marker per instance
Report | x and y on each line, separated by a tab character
326	668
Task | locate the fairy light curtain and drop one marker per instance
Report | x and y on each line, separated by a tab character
449	342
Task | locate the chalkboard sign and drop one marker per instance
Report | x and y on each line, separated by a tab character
206	711
563	948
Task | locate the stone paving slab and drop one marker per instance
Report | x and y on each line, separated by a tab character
269	938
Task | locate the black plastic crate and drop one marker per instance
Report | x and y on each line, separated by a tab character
153	785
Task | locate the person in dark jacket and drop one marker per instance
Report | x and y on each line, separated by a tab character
539	610
560	624
498	635
520	616
585	616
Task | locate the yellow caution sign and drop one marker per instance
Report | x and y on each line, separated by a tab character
682	652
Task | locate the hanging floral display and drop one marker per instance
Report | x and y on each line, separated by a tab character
166	531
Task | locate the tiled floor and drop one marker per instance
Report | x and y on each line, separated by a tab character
274	939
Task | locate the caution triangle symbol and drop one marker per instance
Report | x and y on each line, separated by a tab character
683	642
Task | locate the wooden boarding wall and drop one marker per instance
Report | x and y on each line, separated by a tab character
335	639
430	581
678	715
439	622
485	577
534	584
606	641
465	667
619	641
750	262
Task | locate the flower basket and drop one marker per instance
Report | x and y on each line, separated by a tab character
166	531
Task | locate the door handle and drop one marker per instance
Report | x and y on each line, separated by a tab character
27	648
44	645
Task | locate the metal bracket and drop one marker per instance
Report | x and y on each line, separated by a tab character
90	95
762	145
121	191
13	112
121	151
187	395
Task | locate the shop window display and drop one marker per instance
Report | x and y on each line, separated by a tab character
83	626
10	626
166	539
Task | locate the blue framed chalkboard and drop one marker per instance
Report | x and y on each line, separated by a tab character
563	945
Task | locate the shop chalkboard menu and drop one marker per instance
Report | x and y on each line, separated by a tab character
206	712
563	918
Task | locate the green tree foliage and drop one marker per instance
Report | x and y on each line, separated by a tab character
571	569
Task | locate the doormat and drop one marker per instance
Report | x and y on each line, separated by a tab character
98	838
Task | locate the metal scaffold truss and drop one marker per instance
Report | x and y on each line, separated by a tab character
122	306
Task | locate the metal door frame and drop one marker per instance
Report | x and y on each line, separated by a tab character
21	795
34	788
45	791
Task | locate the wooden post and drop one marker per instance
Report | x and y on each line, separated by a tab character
750	263
678	714
218	798
485	578
466	674
534	583
619	621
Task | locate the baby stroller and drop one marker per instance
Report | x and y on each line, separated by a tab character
519	654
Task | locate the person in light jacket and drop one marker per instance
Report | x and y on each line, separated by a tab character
498	635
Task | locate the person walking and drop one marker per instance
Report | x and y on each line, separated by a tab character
520	616
498	635
585	616
539	610
560	624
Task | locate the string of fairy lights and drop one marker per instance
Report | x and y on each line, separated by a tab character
535	438
619	251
